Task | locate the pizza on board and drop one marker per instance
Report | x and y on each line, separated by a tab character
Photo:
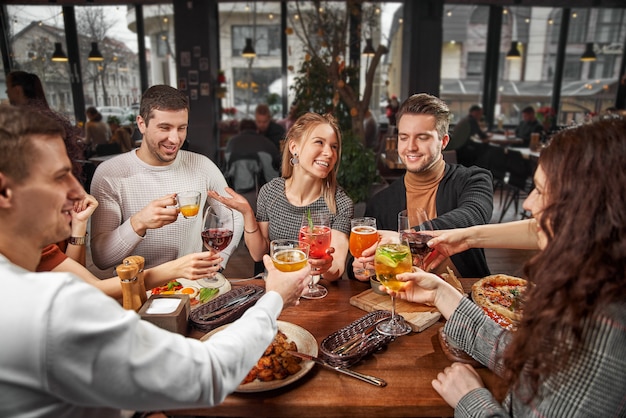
500	296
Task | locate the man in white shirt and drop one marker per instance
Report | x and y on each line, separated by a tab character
136	191
72	351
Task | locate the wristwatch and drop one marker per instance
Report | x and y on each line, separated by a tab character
78	240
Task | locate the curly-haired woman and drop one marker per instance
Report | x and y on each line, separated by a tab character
568	355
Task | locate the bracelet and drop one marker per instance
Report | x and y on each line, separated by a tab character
253	231
78	240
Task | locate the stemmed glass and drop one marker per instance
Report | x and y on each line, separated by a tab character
415	231
217	230
315	231
363	234
390	260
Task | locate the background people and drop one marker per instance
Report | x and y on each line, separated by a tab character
527	126
569	348
97	131
308	183
468	150
71	341
136	191
267	127
454	196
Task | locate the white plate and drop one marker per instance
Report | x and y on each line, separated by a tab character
306	344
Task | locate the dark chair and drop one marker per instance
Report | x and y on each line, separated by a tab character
519	181
495	161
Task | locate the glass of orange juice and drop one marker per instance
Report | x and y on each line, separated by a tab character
289	255
188	204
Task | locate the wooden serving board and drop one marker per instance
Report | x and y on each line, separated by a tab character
418	316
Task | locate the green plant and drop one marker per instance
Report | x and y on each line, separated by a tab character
113	119
357	171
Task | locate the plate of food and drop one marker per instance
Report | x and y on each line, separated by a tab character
276	368
500	296
198	295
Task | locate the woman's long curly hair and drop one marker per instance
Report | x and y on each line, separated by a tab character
298	133
583	266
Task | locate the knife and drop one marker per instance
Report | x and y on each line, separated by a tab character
228	306
364	377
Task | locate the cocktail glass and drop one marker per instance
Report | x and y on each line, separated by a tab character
390	260
315	231
363	234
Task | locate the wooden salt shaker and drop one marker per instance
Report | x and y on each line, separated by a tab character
131	292
140	262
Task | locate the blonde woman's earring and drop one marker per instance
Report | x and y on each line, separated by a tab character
294	160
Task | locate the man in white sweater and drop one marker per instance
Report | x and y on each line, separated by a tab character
72	351
137	190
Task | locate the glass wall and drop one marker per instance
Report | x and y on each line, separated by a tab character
463	57
34	31
111	82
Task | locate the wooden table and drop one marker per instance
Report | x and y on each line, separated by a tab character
408	364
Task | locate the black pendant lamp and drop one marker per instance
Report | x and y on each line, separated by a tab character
58	55
588	55
369	50
248	50
94	54
513	53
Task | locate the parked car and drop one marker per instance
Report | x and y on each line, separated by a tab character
119	112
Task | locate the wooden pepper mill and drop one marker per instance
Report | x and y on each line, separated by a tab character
140	262
131	292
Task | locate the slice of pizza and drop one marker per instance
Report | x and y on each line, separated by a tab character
500	296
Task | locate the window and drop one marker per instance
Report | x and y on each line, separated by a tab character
475	64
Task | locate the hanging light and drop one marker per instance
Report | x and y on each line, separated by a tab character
58	55
369	51
248	50
513	53
94	54
588	55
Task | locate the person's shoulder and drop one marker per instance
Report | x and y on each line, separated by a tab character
342	199
459	170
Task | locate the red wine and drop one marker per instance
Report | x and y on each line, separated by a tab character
417	242
217	238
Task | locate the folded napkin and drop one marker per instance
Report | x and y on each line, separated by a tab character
163	306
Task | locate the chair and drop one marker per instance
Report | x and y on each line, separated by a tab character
243	174
519	182
496	161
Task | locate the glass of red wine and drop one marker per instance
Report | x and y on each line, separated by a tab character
217	230
414	230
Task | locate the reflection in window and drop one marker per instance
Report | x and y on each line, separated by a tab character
266	39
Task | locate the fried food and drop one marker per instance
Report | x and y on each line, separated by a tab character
276	363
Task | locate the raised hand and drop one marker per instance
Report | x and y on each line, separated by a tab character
289	285
197	265
235	201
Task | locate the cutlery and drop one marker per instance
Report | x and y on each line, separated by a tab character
364	377
357	339
228	306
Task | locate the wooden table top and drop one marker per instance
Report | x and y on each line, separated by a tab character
408	364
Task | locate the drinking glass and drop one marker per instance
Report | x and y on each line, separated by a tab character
188	204
363	234
289	255
390	260
315	231
217	230
415	232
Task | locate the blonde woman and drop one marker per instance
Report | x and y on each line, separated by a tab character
310	163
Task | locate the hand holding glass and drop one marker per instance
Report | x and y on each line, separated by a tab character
389	261
416	235
363	235
188	204
217	230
